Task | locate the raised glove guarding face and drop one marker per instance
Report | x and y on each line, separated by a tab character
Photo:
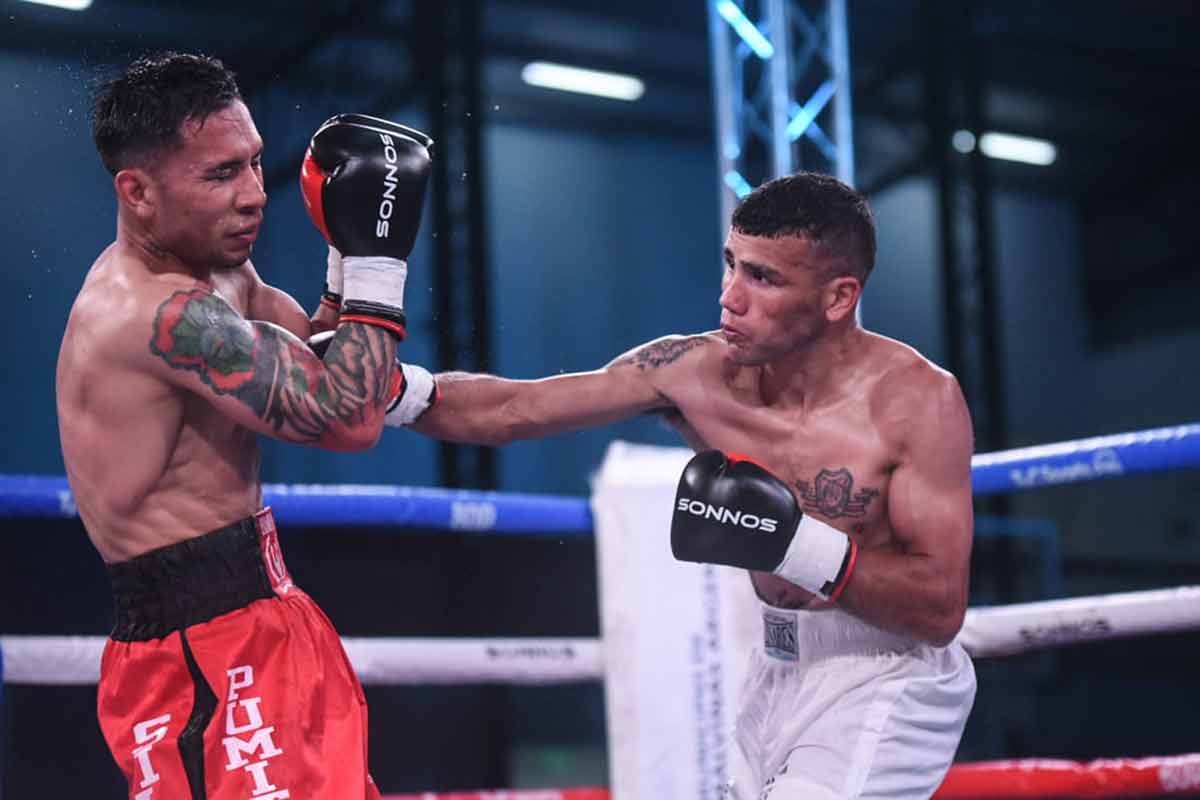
364	181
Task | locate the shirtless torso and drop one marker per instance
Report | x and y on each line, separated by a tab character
150	462
176	354
872	438
175	359
838	458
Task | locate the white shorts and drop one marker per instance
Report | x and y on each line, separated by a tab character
835	708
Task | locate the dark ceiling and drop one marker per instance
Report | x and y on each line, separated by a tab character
1112	82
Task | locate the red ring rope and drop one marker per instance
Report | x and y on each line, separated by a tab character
985	780
1046	777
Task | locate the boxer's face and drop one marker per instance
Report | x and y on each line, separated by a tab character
209	192
773	296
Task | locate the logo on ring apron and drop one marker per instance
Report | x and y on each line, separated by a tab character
779	635
272	552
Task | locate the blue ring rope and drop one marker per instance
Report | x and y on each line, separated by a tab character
1155	450
1121	454
352	504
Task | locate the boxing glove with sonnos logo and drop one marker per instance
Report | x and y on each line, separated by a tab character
729	510
363	182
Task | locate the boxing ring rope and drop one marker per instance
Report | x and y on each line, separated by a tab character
1003	780
986	632
991	631
1122	454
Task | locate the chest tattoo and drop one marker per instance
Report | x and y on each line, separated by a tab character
832	494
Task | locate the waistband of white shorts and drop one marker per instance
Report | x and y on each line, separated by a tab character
806	636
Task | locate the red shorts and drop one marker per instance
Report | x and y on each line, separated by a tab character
224	681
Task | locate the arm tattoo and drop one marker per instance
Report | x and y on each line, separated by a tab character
659	354
274	374
832	494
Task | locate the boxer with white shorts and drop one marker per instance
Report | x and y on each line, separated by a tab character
834	707
852	514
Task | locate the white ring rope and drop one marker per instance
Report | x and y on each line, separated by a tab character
1006	630
991	631
75	660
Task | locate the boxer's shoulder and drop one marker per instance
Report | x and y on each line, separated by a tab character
671	354
687	352
909	393
121	307
900	372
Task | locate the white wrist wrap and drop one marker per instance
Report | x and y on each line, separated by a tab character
374	279
419	389
333	271
815	555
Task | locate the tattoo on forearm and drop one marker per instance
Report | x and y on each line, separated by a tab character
277	377
832	494
659	354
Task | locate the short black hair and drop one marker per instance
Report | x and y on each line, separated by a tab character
141	110
818	207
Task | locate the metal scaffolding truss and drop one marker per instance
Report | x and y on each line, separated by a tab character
782	91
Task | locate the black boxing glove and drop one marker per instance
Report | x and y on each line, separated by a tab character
363	181
729	510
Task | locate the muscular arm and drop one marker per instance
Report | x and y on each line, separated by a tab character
484	409
919	585
267	380
269	304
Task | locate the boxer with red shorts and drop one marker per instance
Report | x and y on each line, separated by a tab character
218	666
222	679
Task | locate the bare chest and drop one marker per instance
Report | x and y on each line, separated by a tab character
837	465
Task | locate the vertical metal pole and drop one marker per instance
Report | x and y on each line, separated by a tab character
839	60
990	333
780	88
476	218
843	115
993	432
937	123
727	110
451	58
954	94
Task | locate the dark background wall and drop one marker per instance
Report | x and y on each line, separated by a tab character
602	232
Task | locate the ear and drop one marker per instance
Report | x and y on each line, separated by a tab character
841	296
136	191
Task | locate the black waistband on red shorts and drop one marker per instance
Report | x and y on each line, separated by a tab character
190	582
